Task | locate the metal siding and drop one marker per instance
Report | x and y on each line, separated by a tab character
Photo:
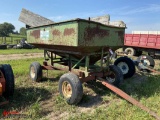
78	35
91	34
60	34
143	40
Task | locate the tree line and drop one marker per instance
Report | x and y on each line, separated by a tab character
7	28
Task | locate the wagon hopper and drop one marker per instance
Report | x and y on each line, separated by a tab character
77	37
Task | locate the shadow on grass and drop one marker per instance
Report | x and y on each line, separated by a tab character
90	100
44	79
24	98
52	76
141	85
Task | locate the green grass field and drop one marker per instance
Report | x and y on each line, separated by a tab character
19	51
42	100
12	39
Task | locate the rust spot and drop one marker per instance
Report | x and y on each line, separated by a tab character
69	31
90	33
56	32
36	34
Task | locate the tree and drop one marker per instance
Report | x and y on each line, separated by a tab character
23	31
15	32
6	29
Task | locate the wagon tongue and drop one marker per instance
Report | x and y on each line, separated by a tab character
127	97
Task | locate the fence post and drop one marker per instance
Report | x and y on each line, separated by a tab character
11	40
4	40
1	39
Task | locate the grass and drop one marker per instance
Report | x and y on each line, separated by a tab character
42	100
15	35
19	51
12	39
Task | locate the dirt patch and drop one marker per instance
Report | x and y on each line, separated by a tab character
20	56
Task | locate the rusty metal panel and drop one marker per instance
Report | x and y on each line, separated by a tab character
32	19
78	35
91	34
64	34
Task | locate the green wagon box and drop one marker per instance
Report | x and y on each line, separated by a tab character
79	36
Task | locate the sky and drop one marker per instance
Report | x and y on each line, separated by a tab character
138	15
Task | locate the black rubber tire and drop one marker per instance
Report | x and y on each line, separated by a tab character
3	46
9	78
130	51
149	59
10	46
76	86
128	64
35	71
115	72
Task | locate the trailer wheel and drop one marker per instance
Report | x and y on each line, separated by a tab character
146	60
35	71
70	87
126	65
9	78
114	75
130	51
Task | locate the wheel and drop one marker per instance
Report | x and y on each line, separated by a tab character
35	71
130	51
152	54
70	87
145	60
9	80
3	46
10	46
126	65
114	75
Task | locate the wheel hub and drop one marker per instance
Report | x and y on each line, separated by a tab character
146	62
32	73
111	77
124	67
66	89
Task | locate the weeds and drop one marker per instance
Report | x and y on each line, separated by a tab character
19	51
42	100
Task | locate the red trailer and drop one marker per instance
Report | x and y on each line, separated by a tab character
142	41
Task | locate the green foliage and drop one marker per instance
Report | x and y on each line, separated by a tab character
6	29
42	99
35	111
12	39
23	31
17	36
